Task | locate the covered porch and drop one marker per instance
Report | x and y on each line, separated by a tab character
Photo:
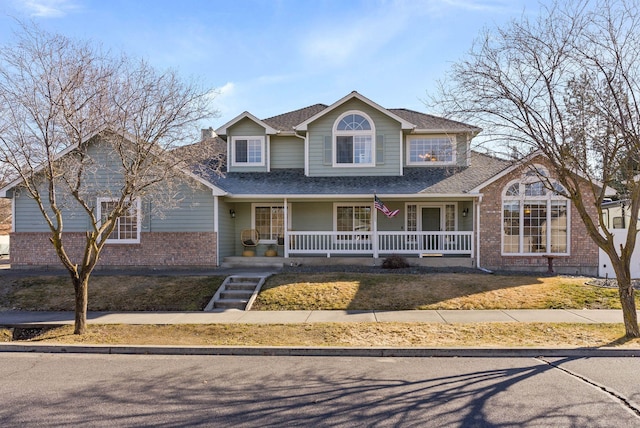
352	229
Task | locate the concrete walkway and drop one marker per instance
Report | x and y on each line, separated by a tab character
234	316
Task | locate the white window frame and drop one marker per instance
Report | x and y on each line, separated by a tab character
548	199
412	138
259	139
371	133
270	205
372	212
138	209
443	215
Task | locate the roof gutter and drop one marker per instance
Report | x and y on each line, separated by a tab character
389	196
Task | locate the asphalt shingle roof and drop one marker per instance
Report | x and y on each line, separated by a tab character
286	121
416	180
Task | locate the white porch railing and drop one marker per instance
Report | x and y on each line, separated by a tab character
411	243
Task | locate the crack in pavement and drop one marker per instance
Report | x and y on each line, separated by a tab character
617	396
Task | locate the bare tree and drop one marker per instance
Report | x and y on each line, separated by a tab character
565	83
74	116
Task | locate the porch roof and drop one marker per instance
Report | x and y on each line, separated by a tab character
423	180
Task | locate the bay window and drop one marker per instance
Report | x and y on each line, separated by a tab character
534	219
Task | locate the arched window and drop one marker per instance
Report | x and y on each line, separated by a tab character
534	218
353	140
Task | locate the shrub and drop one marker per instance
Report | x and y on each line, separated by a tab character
395	262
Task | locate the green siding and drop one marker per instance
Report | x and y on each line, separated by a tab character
312	216
227	234
287	152
461	150
246	127
193	212
384	125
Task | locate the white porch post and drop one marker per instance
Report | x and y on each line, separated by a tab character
374	235
286	229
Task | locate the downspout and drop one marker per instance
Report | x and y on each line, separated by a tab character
216	228
477	204
268	154
306	152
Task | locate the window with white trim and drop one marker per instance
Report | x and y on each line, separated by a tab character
352	218
127	228
268	220
353	140
248	151
424	150
534	218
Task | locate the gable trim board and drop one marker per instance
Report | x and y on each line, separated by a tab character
354	95
450	210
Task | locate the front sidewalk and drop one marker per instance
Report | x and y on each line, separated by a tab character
234	316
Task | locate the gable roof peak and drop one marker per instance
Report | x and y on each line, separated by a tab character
404	124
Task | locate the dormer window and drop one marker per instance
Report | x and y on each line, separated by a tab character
353	140
424	150
247	151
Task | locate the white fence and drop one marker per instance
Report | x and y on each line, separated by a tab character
4	244
375	243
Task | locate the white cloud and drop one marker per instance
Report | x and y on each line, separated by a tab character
225	102
47	8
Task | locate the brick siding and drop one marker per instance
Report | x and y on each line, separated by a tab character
176	249
583	257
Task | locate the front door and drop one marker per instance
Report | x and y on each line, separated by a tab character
431	222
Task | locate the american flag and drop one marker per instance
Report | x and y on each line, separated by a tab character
377	203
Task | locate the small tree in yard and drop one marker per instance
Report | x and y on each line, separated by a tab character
59	100
566	84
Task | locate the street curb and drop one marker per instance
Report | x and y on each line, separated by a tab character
320	351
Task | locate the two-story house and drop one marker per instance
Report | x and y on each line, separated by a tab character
304	184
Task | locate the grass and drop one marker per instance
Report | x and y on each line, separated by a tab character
437	291
112	293
351	335
346	291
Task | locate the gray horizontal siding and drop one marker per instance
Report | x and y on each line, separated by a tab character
287	152
193	211
384	125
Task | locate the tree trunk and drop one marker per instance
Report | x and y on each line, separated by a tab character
627	299
81	287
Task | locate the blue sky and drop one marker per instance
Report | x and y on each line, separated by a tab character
273	56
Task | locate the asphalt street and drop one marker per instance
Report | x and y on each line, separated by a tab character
155	390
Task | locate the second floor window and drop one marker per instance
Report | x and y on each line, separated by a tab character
430	150
248	150
354	140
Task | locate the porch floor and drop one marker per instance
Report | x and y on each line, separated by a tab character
278	262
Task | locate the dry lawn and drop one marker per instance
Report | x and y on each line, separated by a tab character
111	293
356	291
351	335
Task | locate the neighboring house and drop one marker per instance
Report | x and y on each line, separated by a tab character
5	226
306	181
617	215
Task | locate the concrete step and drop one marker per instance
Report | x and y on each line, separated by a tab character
245	286
252	262
236	294
231	303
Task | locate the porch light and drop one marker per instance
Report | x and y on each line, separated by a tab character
465	212
232	213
